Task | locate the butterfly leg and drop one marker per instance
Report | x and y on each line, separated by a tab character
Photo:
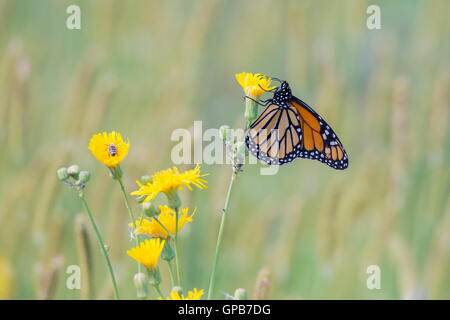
263	103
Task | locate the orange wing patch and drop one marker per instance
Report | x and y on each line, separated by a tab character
340	153
310	128
333	153
307	117
308	142
318	141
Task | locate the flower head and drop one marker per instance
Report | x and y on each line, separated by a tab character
148	252
170	180
109	149
254	85
167	218
192	295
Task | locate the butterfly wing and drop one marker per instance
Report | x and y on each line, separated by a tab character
275	137
319	140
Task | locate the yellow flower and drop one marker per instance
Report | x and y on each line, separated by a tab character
109	149
192	295
167	218
254	84
148	252
170	180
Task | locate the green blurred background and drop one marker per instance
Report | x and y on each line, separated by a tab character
145	68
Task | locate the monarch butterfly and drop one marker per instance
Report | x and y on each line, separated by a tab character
289	128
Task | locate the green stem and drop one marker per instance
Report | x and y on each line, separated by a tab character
127	203
212	279
177	260
130	212
248	127
159	222
102	246
172	279
141	218
168	262
159	290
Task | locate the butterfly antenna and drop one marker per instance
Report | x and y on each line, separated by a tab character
276	79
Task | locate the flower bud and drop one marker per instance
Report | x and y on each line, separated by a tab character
167	253
240	294
62	174
173	199
140	199
154	277
146	178
141	282
149	209
73	171
84	176
177	289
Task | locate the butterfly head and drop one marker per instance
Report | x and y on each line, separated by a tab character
283	93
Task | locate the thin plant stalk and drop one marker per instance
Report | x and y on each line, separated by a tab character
159	222
159	291
251	112
102	246
168	262
172	279
127	203
130	212
177	260
220	235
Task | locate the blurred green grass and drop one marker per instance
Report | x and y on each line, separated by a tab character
145	68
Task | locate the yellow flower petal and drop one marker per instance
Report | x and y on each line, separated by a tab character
167	217
169	180
254	85
192	295
148	252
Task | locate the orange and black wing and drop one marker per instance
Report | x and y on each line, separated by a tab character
275	137
319	140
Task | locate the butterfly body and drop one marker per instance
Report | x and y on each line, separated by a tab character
289	129
282	96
